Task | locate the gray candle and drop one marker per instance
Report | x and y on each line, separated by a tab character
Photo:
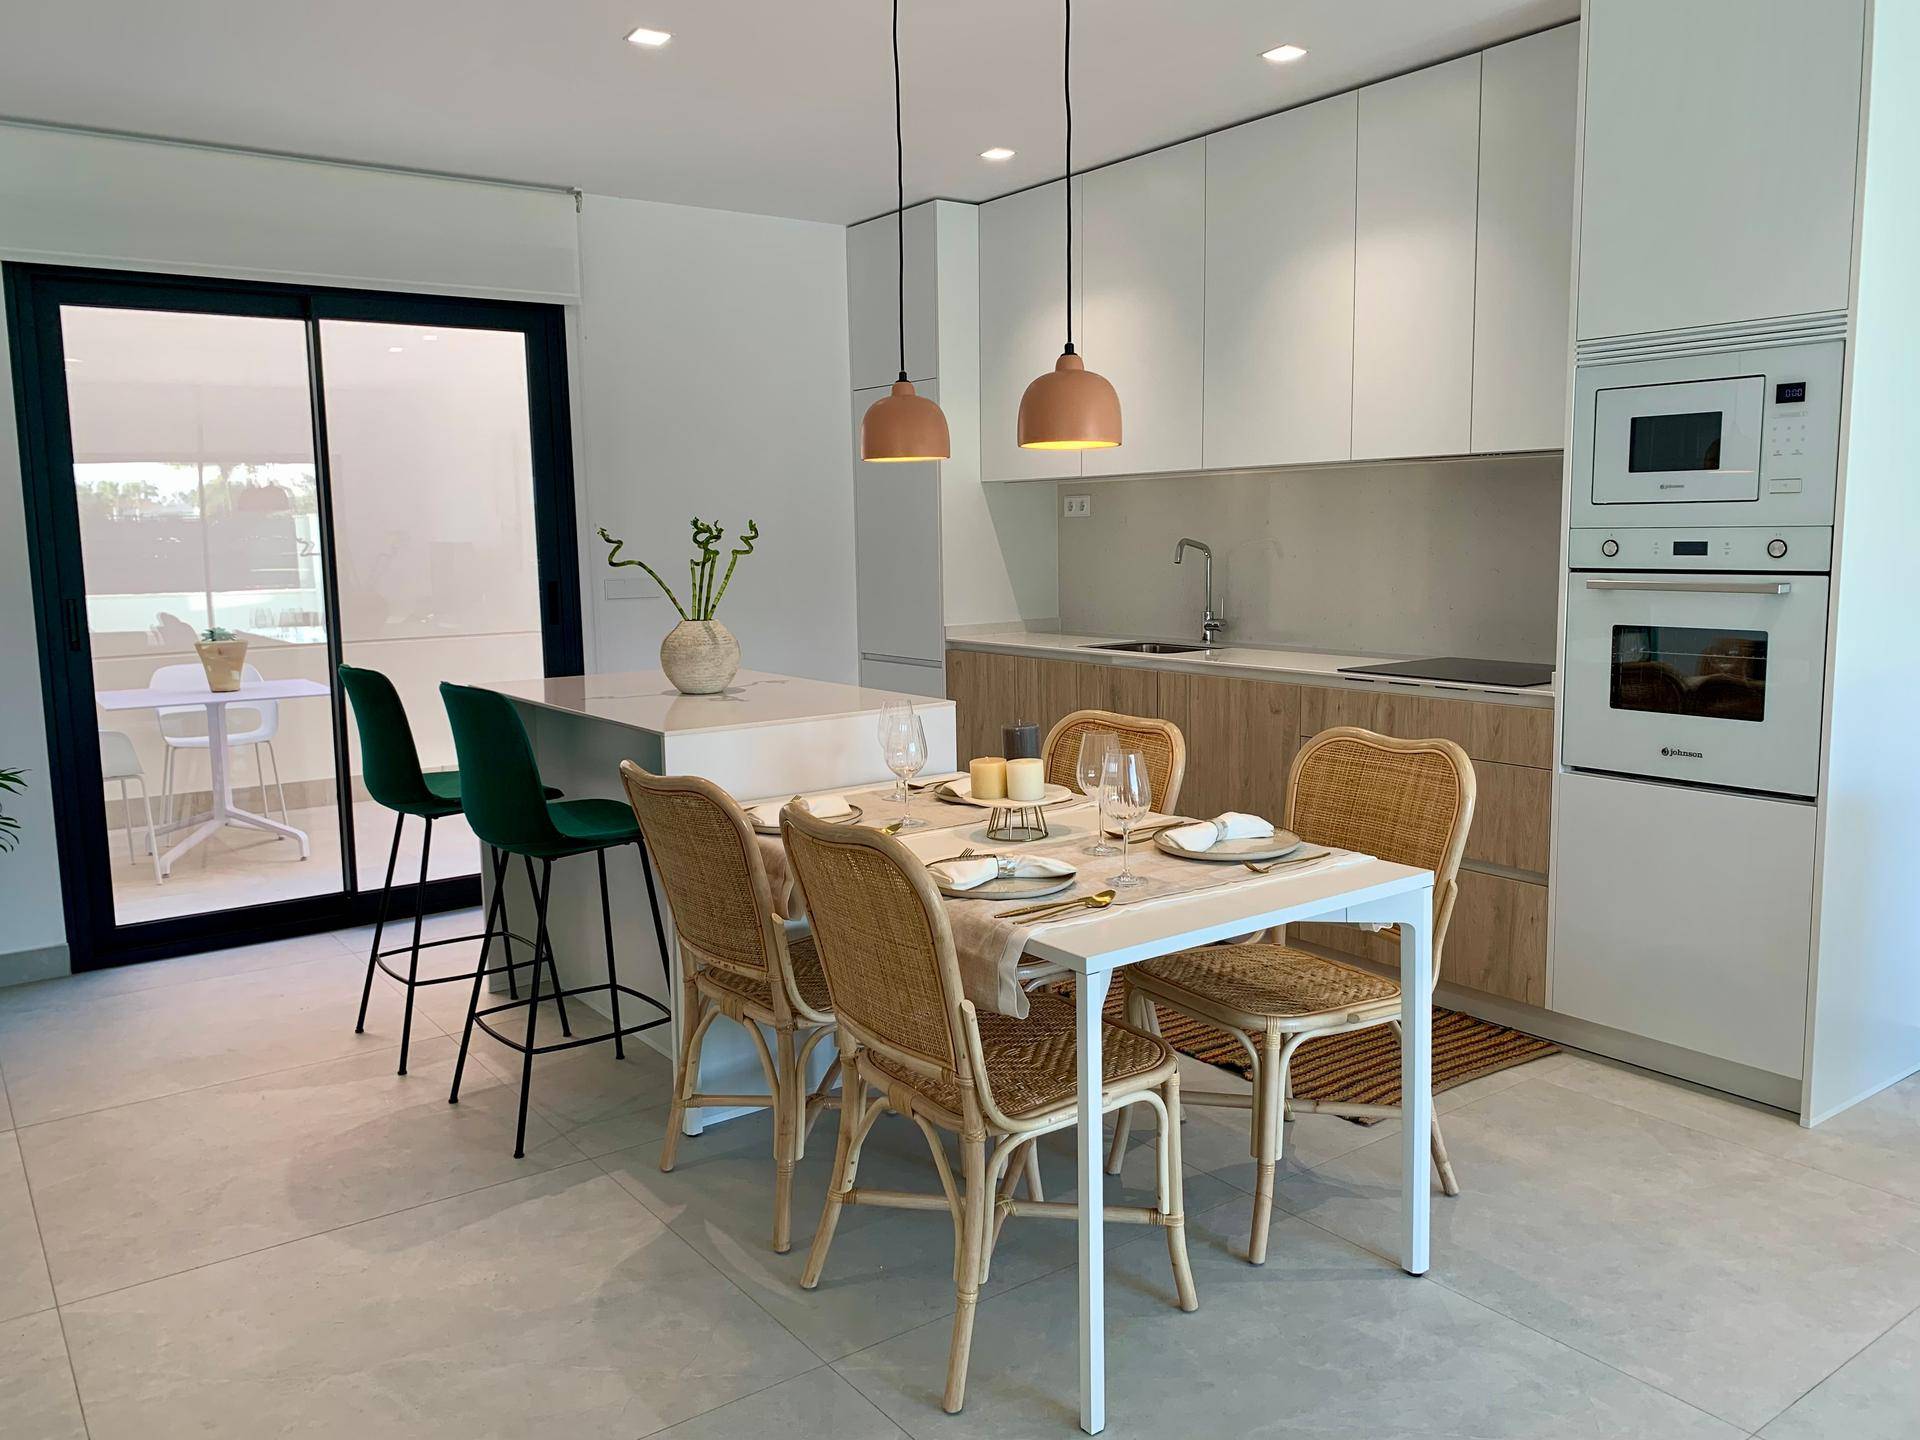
1020	741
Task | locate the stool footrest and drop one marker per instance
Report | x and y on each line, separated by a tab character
521	1047
516	965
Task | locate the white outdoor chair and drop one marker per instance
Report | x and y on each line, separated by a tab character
184	727
119	762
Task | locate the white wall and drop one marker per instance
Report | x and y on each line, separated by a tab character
32	924
1866	991
1457	557
712	379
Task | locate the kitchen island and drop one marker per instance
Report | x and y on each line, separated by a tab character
764	735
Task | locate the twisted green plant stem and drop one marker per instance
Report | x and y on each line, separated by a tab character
751	534
613	558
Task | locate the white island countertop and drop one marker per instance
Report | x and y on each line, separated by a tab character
1246	661
646	700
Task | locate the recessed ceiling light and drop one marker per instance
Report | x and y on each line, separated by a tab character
429	335
997	152
1284	54
396	349
652	39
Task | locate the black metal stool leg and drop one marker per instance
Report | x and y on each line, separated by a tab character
499	906
613	979
379	924
653	904
413	960
553	969
540	941
506	923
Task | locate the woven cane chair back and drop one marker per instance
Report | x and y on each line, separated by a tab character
883	941
1160	741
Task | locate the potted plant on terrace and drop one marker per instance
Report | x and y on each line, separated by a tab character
221	656
699	654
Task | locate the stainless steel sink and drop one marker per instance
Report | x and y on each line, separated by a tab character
1147	647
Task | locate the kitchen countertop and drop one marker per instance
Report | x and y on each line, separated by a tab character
1247	661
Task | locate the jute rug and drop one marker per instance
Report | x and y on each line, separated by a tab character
1363	1066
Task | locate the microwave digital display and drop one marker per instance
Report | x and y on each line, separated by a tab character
1658	444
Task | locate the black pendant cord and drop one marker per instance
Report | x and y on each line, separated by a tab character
1067	88
900	194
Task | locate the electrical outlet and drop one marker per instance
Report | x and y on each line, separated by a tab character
1077	507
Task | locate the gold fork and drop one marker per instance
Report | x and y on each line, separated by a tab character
1284	864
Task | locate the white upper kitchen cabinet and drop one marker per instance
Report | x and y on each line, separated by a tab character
1023	322
1415	204
1145	306
1718	161
896	548
1523	276
873	273
1279	289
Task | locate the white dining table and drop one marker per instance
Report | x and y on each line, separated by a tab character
201	828
1369	891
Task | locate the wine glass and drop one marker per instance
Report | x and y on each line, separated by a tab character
1094	747
1129	796
903	744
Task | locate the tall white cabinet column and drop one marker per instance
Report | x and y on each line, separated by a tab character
933	546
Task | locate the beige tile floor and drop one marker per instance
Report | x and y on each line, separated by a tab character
241	866
222	1214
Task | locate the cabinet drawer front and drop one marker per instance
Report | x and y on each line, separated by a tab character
1505	734
1496	940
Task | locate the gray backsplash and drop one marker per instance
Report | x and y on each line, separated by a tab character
1457	557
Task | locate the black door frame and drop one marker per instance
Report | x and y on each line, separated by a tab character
34	295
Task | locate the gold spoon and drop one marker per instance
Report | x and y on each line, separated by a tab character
1283	864
1099	900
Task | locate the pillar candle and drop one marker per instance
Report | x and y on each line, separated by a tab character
988	777
1026	780
1020	740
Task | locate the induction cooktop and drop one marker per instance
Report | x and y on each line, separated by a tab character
1516	673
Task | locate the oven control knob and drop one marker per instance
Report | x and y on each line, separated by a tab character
1777	548
1611	548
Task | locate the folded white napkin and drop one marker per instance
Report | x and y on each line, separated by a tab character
821	807
1205	834
965	874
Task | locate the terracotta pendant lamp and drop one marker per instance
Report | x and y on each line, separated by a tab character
904	426
1070	407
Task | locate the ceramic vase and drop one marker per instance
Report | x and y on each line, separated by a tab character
700	657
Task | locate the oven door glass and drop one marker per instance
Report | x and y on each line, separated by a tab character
1709	679
1688	670
1683	443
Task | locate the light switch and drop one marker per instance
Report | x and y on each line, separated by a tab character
629	587
1077	507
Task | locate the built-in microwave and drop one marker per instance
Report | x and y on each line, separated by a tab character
1747	437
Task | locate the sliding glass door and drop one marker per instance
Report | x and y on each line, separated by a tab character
318	476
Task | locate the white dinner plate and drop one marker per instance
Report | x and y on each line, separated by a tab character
1281	842
960	792
1013	887
854	812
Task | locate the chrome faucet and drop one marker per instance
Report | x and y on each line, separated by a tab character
1210	624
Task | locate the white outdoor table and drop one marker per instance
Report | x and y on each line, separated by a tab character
1370	892
224	812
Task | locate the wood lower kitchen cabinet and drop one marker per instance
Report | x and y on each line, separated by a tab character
1242	735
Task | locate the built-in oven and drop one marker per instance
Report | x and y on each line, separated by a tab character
1697	656
1735	437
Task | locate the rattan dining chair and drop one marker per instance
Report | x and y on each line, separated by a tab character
907	1031
1409	801
738	958
1160	741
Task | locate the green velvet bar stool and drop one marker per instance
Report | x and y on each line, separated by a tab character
390	768
508	808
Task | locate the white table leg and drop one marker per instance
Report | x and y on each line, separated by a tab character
1089	1004
224	811
1416	1081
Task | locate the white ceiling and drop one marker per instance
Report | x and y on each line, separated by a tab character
776	106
